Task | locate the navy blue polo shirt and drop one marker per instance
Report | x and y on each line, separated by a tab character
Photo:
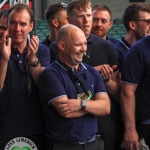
46	41
122	48
136	70
56	81
99	52
112	40
20	112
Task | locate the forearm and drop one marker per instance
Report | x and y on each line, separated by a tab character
3	70
35	72
128	110
75	114
113	89
99	107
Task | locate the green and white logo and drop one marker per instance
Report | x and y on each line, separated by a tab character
20	143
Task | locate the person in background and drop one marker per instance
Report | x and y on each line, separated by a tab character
73	94
136	19
56	17
135	30
102	22
21	63
135	94
3	21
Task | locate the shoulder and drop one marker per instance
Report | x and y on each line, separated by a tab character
46	42
101	43
53	44
90	69
113	40
43	47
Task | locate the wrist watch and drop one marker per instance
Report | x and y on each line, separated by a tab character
35	63
83	104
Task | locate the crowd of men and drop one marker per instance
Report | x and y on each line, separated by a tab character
79	89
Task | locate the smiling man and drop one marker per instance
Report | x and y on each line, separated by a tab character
21	63
74	94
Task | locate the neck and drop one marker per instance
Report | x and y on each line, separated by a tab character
104	37
70	64
52	36
130	38
20	47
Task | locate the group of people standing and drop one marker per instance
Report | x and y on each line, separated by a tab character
79	89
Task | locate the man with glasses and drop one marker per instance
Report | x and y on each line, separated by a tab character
56	17
135	95
136	19
21	63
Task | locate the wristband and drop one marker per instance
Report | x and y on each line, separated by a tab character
34	64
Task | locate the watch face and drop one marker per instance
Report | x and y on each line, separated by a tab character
83	104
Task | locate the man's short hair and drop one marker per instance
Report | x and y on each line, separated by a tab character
21	6
102	8
131	13
4	13
52	10
81	5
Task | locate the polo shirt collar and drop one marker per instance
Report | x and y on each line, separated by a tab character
67	68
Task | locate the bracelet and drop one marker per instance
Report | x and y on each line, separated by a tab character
34	64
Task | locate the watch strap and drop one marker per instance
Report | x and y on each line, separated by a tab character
83	104
34	64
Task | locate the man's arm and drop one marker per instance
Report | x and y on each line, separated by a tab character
5	51
113	86
32	58
71	108
111	79
128	113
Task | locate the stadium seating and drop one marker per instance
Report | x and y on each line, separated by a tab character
41	29
117	31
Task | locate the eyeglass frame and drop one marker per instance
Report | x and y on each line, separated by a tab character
145	20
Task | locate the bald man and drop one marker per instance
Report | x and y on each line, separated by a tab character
69	97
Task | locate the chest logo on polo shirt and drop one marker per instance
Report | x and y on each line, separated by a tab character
20	143
83	96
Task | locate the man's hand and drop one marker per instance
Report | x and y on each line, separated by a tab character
131	140
68	108
105	70
5	47
32	50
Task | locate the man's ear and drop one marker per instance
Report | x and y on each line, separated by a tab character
68	19
132	25
55	23
61	45
31	26
110	24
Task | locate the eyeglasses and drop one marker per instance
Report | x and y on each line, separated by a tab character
145	20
